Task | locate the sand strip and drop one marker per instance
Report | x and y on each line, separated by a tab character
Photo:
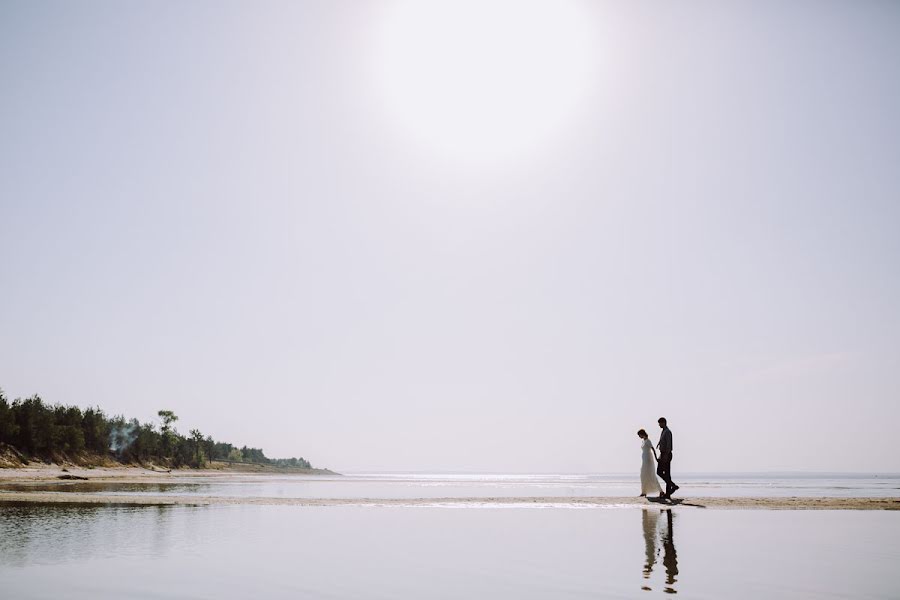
794	503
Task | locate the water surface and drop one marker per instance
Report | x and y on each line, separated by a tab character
81	552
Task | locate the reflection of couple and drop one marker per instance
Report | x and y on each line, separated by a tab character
649	483
670	559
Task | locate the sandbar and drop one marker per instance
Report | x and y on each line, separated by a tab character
769	503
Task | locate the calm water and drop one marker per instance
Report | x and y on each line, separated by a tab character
350	552
478	485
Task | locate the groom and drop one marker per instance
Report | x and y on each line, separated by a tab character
664	463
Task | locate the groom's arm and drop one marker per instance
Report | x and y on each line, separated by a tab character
665	442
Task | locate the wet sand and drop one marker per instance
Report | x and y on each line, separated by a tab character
794	503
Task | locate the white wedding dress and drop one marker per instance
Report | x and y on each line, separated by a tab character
649	482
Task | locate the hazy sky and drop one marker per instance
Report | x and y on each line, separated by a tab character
470	236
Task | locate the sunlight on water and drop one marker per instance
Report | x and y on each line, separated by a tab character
405	485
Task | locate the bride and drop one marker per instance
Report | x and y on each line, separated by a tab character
649	482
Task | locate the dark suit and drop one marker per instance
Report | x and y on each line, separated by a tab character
664	464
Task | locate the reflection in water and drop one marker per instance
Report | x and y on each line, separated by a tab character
85	552
110	487
650	525
47	534
650	518
670	559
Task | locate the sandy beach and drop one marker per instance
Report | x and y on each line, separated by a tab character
16	486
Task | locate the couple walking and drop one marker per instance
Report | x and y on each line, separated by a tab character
649	483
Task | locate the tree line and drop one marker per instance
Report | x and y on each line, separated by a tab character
41	431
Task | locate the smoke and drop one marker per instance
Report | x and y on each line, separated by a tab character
121	436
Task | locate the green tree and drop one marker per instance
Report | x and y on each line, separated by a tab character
168	432
209	447
197	441
95	426
8	427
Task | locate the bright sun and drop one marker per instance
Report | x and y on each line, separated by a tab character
483	80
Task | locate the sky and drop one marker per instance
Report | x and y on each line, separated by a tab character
475	236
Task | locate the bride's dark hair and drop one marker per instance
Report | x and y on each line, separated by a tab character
642	433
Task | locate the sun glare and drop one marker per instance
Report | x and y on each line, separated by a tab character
483	80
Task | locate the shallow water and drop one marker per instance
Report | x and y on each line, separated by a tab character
81	551
482	486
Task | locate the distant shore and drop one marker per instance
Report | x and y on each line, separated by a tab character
43	473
